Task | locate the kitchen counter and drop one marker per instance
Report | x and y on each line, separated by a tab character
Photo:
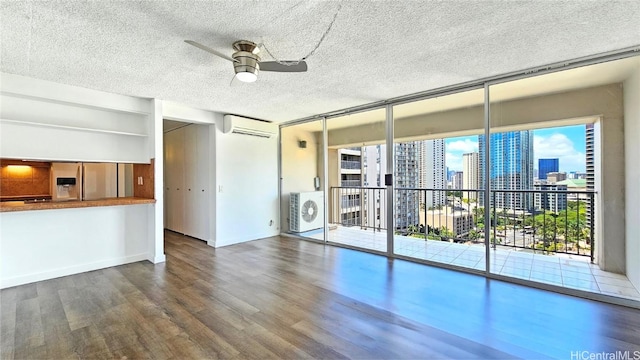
9	206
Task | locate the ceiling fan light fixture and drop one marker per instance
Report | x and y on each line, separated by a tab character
246	76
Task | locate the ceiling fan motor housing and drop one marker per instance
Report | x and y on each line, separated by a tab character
246	62
246	57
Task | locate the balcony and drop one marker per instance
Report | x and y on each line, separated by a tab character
541	246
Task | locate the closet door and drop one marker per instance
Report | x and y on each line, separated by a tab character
190	188
202	181
176	185
169	182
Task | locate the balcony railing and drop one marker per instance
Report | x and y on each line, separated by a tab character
549	221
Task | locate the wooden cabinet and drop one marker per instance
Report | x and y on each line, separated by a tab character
187	183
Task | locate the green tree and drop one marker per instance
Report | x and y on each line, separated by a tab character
474	235
445	232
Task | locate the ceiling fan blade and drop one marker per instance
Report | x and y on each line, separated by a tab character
276	66
210	50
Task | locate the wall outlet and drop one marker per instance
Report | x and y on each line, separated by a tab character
140	181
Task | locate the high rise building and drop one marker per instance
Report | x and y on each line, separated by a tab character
470	174
375	200
511	168
351	166
407	176
432	172
590	162
546	166
457	180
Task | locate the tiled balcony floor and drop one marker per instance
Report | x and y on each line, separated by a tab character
560	269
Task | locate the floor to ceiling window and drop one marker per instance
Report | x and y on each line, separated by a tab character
356	168
437	217
556	156
534	179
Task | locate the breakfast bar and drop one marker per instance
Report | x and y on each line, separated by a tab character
27	205
50	239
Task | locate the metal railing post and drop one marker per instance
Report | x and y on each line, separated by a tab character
494	221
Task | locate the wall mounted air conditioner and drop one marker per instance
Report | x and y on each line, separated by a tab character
306	211
238	125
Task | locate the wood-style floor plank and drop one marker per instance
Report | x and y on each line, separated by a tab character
281	298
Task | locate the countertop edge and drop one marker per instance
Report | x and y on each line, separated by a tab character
15	206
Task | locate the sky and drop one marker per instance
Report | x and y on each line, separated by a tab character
565	143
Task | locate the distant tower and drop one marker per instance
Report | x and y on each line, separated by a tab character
457	180
433	172
511	167
546	166
407	175
470	174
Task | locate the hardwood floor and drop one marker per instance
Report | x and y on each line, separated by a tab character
286	298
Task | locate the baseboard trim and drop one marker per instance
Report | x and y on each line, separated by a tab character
159	259
76	269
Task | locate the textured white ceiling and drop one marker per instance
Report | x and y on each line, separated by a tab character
375	51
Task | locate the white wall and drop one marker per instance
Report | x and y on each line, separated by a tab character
44	244
247	187
45	120
632	174
299	167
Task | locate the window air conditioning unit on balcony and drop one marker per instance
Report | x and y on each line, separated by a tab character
306	211
243	126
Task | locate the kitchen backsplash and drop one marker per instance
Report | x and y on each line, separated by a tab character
24	178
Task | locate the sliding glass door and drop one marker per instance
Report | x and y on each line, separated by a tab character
356	168
438	217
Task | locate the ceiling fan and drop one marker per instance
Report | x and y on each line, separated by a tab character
246	61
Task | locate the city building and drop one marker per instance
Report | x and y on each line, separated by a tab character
554	177
551	201
457	222
470	174
351	175
546	166
374	199
575	185
457	180
432	172
407	176
450	173
511	156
